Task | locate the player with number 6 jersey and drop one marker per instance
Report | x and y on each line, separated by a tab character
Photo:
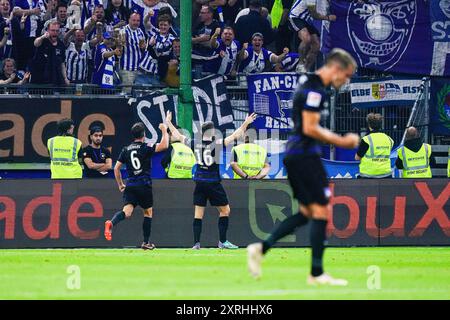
208	150
138	190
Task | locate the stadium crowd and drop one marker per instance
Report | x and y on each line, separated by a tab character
109	42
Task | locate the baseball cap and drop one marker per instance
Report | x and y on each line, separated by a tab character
96	129
107	35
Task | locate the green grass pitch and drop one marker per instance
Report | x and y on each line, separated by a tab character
405	273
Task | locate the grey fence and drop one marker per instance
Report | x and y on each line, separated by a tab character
343	116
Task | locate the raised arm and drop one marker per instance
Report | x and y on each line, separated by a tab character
174	131
164	144
109	54
38	41
240	131
243	53
90	24
148	21
5	37
68	36
213	42
277	59
96	40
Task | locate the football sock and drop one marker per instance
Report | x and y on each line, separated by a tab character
197	226
147	228
318	241
283	229
223	227
118	216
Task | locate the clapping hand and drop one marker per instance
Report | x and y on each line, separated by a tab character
162	127
168	117
249	119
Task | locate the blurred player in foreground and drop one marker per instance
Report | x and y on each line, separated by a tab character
305	171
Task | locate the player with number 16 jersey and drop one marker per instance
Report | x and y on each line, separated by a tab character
208	149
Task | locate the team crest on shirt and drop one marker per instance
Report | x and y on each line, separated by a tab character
327	192
313	99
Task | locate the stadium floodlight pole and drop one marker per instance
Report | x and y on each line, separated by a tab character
185	97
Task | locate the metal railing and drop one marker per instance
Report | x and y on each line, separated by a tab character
420	111
347	118
73	90
343	116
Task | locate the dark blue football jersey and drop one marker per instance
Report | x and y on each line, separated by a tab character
310	95
208	155
138	158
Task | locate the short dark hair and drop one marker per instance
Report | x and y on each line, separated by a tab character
138	130
135	12
164	18
341	57
165	10
210	9
95	129
61	5
207	126
255	3
229	28
374	120
64	125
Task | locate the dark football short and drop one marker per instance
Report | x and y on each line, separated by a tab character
299	24
308	179
214	192
138	196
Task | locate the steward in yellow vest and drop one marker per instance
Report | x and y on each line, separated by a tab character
415	157
64	151
375	150
249	161
178	160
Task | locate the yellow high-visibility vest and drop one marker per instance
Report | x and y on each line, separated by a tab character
376	162
415	164
181	163
64	157
276	13
448	163
250	158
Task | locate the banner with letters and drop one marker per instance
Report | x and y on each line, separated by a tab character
370	212
406	36
270	96
440	106
384	92
210	104
27	123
